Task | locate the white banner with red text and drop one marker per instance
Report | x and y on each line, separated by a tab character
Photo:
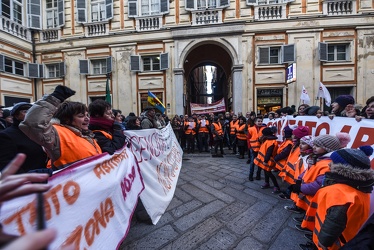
90	203
361	133
215	107
159	156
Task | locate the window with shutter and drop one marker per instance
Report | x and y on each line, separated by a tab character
135	63
33	69
223	3
191	4
34	14
133	8
62	69
60	13
2	63
322	49
109	65
81	9
83	67
109	9
288	53
41	71
164	6
264	55
251	2
164	61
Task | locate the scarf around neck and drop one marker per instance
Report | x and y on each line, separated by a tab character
102	122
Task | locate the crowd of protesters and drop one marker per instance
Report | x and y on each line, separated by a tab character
328	184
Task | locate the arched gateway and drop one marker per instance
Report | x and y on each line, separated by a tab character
218	52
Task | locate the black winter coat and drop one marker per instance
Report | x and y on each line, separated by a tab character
107	145
14	141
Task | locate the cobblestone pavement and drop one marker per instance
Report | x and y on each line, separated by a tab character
216	207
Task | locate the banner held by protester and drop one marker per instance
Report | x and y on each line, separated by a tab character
90	203
159	156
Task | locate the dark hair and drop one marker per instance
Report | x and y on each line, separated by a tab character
116	112
98	107
67	110
370	100
131	123
257	117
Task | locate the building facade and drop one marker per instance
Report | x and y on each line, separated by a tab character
141	45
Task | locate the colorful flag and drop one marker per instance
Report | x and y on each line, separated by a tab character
155	102
108	99
304	96
324	93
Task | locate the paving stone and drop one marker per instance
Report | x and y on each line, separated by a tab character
249	243
186	208
236	180
198	193
175	202
155	239
259	193
238	194
192	238
288	239
223	239
232	210
270	224
232	184
198	215
217	193
183	196
215	184
246	220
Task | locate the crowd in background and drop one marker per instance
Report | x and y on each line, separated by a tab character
54	133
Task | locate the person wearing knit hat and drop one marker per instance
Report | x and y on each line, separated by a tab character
341	103
287	132
343	202
344	139
284	149
300	131
326	144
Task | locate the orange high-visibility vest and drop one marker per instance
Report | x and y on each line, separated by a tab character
189	130
204	129
288	172
233	127
241	136
253	134
311	174
259	160
217	128
106	134
280	164
337	195
73	147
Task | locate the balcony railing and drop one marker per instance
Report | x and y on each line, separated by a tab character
97	29
270	12
50	35
148	23
338	8
15	29
206	17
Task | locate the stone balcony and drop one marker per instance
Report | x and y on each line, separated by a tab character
50	35
270	12
339	7
206	16
96	29
15	29
148	23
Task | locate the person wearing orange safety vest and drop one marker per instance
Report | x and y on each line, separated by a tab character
241	136
70	140
233	127
284	149
217	132
342	205
310	181
203	134
190	128
108	133
253	136
265	157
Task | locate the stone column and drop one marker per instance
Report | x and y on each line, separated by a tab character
237	88
178	92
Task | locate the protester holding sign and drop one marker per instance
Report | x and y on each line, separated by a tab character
67	141
108	134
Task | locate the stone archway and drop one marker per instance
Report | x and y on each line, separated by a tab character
217	52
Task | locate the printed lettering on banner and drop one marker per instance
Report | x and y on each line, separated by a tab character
90	203
159	156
